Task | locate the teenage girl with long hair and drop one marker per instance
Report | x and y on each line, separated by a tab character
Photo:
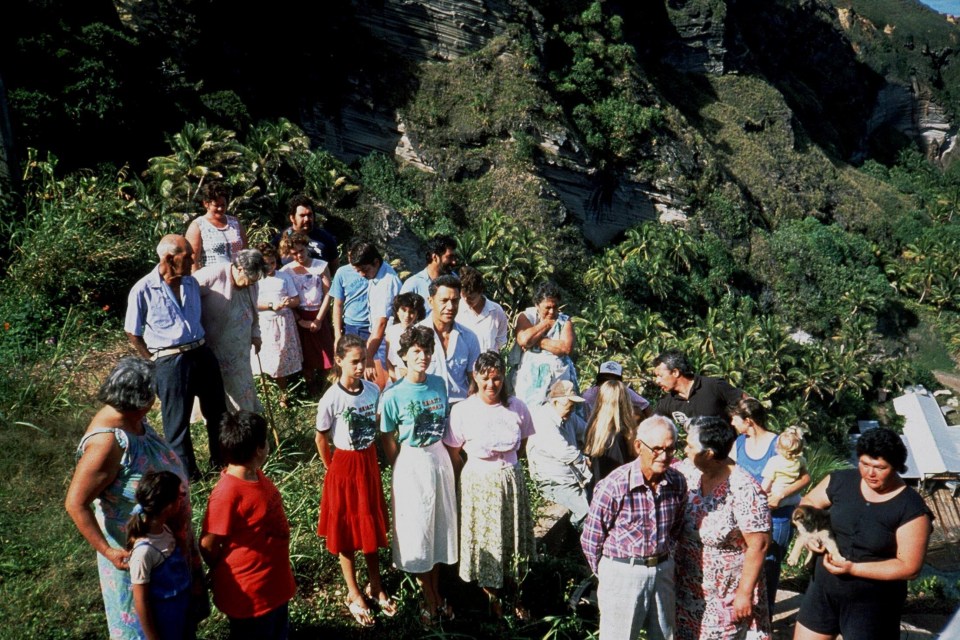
609	434
353	512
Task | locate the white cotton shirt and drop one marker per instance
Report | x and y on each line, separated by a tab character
491	325
351	416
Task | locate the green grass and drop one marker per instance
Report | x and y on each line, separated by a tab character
931	351
48	577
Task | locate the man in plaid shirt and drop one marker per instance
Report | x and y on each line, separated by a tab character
635	519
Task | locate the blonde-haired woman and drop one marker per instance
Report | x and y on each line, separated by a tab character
609	431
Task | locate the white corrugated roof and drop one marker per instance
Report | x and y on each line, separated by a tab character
934	444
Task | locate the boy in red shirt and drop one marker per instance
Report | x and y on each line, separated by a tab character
246	537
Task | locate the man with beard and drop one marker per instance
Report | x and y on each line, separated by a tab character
323	245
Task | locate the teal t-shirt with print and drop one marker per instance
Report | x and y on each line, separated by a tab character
417	411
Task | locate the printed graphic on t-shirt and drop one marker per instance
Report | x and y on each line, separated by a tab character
361	425
428	420
680	418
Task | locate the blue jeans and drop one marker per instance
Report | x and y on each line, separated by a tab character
273	625
779	541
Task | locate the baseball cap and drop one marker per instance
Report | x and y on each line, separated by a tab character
612	368
563	389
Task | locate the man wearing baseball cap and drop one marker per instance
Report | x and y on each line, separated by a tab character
611	370
557	465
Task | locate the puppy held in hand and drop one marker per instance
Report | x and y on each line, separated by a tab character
813	526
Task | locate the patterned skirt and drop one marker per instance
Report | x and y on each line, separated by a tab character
424	509
496	531
280	354
353	512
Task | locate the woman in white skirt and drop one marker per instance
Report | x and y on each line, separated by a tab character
496	533
413	415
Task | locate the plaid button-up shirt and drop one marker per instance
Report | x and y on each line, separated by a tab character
630	519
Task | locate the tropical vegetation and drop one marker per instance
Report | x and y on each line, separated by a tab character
820	285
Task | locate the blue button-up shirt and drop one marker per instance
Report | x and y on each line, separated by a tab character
419	283
154	312
456	365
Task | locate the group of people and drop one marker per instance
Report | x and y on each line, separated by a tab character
687	549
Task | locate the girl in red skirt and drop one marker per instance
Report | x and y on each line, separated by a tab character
353	512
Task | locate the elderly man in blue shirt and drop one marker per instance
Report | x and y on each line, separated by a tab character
163	325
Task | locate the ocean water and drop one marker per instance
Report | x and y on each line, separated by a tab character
951	7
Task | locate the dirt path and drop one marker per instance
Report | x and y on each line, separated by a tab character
949	380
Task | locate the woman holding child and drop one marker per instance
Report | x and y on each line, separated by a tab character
312	277
116	450
754	448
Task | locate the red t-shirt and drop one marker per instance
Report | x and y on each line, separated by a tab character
254	577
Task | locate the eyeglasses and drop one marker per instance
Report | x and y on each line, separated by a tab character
658	451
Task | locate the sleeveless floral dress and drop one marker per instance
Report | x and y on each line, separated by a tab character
112	509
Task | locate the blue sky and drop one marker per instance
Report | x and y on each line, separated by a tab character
944	6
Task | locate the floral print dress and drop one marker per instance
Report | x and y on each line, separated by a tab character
710	556
112	510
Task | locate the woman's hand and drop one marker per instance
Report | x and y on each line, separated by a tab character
815	546
773	500
837	567
96	469
742	605
118	558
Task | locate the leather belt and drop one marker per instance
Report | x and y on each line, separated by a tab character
182	348
643	561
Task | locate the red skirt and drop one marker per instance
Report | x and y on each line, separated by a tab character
353	512
317	345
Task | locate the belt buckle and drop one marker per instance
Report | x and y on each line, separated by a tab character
651	561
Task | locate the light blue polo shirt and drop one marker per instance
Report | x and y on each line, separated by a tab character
154	313
351	288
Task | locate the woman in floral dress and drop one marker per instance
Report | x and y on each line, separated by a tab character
228	294
118	448
720	586
496	529
546	339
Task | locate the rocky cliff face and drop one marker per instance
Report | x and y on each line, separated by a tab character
910	110
436	29
698	42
